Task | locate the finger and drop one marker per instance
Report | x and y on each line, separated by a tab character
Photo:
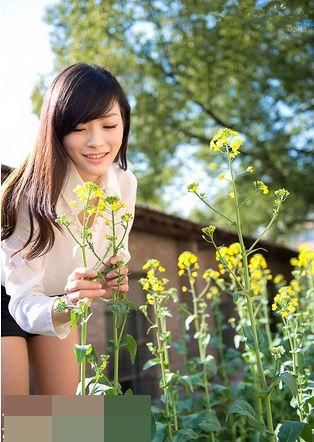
80	294
119	272
82	272
82	284
123	288
120	280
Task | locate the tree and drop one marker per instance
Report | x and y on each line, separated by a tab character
190	68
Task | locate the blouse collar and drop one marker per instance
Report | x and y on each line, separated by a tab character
108	182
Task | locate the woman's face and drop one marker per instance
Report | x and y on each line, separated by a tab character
93	146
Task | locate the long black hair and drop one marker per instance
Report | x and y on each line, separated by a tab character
80	93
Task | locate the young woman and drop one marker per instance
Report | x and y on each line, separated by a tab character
83	136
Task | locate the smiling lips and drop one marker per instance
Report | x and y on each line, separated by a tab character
95	156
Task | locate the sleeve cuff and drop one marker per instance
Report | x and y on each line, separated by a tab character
61	331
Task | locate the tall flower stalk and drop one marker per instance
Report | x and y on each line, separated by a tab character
156	311
95	202
188	266
227	143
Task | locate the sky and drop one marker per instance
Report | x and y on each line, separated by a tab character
26	55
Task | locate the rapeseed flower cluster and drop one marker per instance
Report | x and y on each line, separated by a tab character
88	191
281	196
286	301
193	187
231	255
212	277
277	352
226	141
305	260
152	284
114	203
259	185
259	272
187	263
63	220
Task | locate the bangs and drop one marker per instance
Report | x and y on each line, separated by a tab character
87	99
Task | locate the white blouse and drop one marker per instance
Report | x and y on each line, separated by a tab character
30	284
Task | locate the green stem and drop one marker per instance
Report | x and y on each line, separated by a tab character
201	349
214	210
116	355
295	365
166	353
163	376
250	308
83	322
83	336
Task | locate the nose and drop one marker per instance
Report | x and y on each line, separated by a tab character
95	140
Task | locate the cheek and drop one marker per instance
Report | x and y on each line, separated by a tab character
70	145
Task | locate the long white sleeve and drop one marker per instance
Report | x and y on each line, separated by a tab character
23	281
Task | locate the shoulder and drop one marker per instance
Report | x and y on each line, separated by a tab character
125	177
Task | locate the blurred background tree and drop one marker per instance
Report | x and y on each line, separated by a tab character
190	68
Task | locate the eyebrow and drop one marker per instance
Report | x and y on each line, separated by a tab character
107	115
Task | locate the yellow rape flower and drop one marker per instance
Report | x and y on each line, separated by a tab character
250	169
150	299
259	185
231	195
186	259
212	165
73	203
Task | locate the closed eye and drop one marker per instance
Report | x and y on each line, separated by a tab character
104	127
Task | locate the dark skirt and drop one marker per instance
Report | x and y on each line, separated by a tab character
9	326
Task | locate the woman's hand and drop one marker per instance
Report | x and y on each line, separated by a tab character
77	287
116	278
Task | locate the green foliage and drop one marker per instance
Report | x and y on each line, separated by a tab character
189	68
290	431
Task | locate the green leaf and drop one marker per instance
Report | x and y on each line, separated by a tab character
288	379
186	382
153	425
290	431
169	377
250	341
74	318
161	431
205	340
129	392
119	310
244	409
81	351
87	382
151	328
306	434
100	389
185	434
150	363
132	347
210	424
188	321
